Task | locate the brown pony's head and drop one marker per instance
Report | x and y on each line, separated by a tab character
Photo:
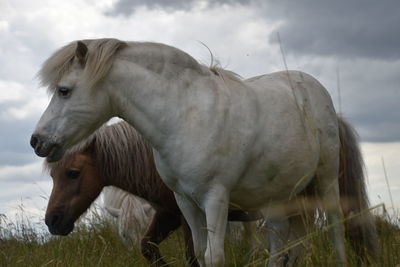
76	184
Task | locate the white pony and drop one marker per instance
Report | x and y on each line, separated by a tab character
218	141
132	214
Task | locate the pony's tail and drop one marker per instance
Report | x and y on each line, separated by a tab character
360	229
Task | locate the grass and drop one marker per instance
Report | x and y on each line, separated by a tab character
97	244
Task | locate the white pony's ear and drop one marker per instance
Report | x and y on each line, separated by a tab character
81	52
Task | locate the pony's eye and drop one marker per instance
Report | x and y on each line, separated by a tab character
63	91
72	174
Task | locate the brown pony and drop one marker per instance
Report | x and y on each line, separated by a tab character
117	155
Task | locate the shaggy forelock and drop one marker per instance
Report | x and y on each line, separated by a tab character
99	60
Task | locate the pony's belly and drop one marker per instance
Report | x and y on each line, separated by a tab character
257	190
256	198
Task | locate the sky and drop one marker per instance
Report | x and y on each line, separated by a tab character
351	47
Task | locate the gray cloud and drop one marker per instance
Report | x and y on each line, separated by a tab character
14	144
127	7
370	96
370	92
379	121
23	49
339	28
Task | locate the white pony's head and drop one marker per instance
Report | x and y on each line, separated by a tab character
74	76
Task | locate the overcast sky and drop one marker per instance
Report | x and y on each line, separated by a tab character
355	44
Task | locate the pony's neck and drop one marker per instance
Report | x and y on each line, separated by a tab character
152	86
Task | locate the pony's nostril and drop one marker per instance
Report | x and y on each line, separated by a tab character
53	220
34	140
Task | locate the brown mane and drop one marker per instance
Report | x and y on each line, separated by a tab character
120	154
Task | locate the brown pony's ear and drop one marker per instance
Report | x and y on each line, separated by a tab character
91	148
81	52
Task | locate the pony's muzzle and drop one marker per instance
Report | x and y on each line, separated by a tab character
34	140
57	224
41	146
53	219
46	148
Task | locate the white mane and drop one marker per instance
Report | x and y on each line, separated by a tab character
132	214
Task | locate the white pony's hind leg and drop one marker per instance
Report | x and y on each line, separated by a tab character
196	220
326	182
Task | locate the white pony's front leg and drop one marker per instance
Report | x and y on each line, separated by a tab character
196	220
216	208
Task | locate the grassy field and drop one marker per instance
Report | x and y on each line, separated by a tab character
97	244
